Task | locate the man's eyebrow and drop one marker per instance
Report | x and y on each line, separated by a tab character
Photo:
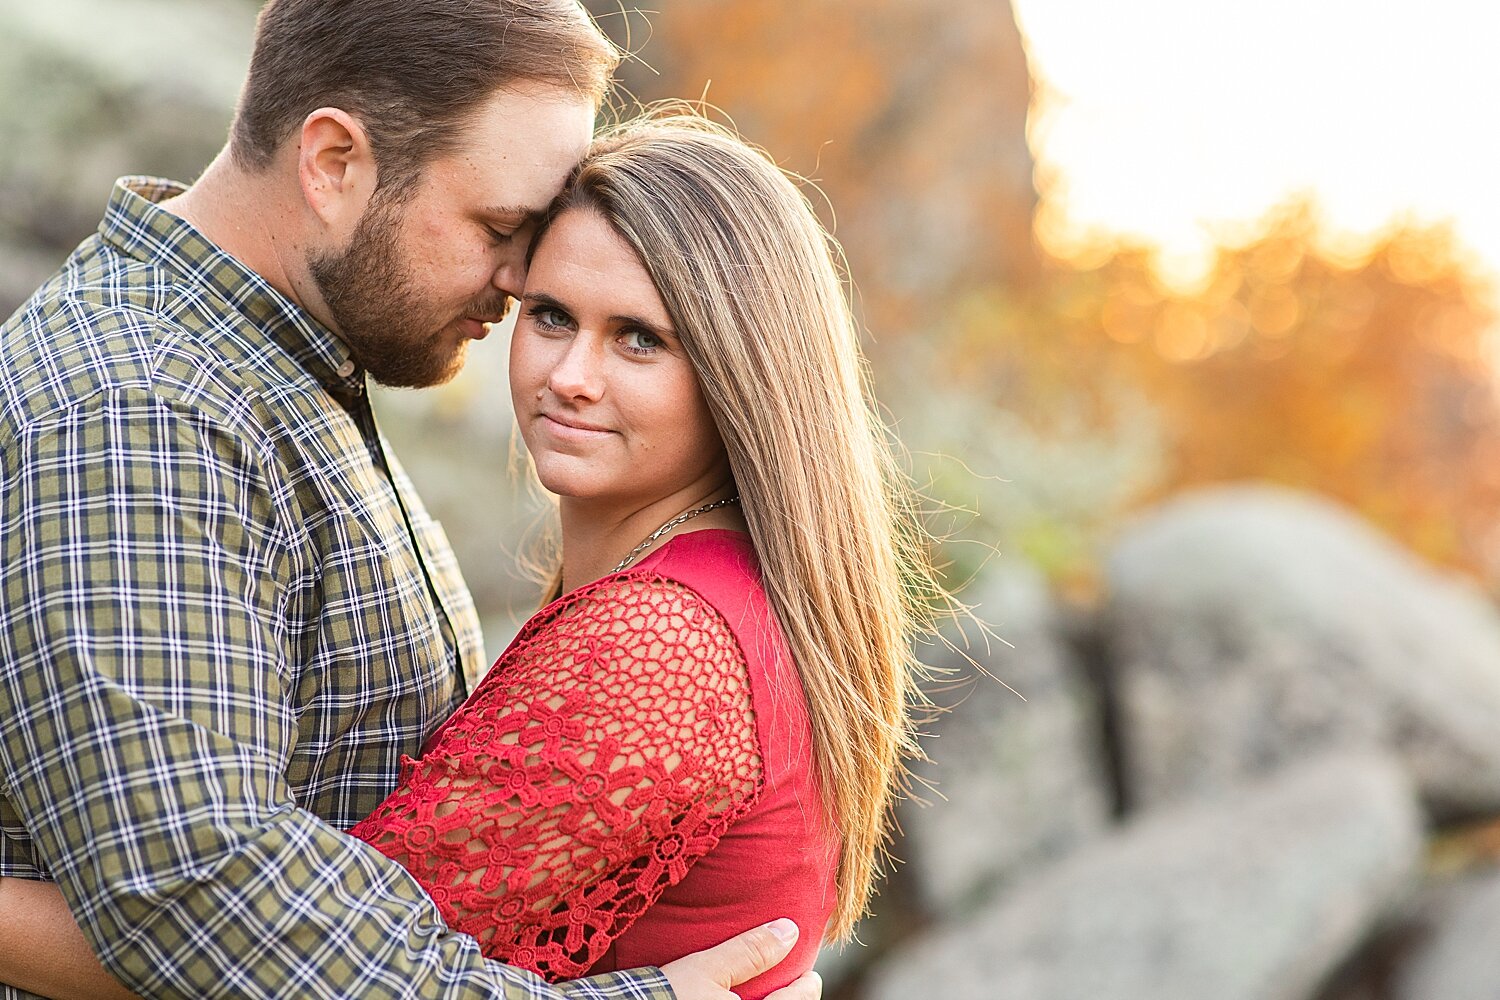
512	213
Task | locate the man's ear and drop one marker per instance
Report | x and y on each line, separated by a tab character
336	167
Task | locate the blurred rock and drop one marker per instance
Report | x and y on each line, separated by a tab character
1370	973
93	89
24	266
1251	626
1017	782
1459	959
1257	895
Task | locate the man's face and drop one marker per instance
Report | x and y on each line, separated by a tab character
428	267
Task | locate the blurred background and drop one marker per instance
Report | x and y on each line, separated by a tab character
1185	312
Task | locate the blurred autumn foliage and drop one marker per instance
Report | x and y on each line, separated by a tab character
1063	393
1358	372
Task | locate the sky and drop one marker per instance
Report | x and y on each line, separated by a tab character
1176	121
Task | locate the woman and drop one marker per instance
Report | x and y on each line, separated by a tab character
704	726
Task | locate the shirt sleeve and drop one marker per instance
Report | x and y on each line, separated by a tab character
606	753
146	718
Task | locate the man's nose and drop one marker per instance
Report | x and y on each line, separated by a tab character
510	276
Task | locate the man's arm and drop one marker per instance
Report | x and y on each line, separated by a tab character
42	951
144	726
145	723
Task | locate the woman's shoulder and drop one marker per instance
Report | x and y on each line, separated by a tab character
705	582
721	568
701	588
714	547
717	563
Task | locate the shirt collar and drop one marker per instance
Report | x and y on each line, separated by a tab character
138	227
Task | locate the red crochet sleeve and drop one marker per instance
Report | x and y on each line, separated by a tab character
607	751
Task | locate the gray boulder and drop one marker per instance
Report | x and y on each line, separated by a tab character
1250	626
1017	782
93	89
1458	957
1254	896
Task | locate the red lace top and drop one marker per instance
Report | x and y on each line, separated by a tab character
631	781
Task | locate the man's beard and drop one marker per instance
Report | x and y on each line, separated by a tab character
390	330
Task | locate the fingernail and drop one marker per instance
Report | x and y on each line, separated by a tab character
784	929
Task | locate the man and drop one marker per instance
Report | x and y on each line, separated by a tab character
225	615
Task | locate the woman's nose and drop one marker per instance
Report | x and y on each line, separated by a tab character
579	372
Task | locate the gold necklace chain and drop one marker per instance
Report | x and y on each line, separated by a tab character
688	516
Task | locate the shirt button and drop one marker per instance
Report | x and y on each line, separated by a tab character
344	370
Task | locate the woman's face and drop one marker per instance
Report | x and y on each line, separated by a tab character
607	401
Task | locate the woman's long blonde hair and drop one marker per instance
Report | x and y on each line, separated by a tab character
748	276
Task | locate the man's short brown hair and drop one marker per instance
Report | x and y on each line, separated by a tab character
412	71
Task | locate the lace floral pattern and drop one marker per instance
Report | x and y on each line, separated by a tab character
606	752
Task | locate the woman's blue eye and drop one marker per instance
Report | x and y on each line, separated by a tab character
642	341
549	317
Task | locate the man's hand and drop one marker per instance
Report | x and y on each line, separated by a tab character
708	975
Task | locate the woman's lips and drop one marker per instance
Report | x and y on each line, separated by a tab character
571	428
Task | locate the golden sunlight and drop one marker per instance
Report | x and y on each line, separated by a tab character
1177	122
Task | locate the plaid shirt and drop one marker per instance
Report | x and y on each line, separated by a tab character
225	617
